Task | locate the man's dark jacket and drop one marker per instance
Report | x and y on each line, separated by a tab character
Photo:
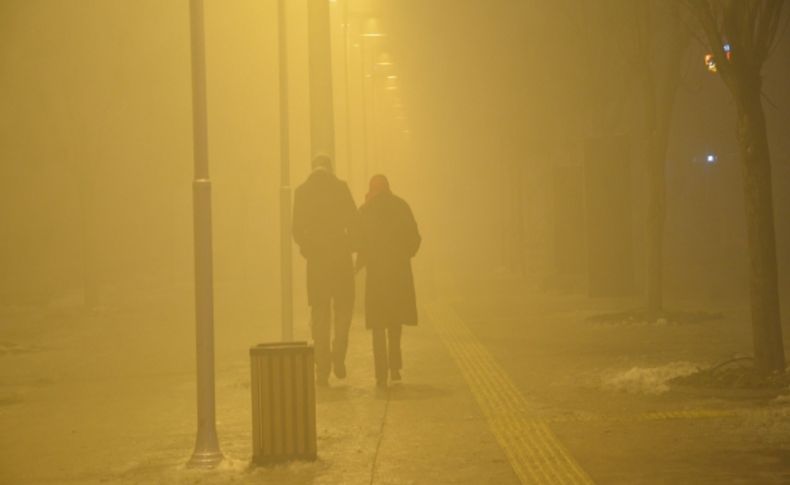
323	215
388	239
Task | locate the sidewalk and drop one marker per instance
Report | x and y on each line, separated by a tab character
601	390
74	409
500	385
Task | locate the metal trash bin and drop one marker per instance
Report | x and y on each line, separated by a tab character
283	402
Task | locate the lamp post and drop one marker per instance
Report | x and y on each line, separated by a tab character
384	83
370	34
322	122
286	258
346	22
207	453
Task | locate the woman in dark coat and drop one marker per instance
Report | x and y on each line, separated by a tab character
388	239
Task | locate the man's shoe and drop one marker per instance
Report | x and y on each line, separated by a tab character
340	371
395	375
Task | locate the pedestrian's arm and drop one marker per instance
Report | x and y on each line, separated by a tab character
413	234
351	216
298	227
359	263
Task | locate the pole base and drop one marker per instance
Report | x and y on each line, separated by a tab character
204	459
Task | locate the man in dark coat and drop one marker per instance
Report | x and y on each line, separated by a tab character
388	239
324	212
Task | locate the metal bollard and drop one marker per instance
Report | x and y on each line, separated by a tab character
283	402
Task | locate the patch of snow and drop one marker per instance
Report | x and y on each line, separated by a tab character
647	380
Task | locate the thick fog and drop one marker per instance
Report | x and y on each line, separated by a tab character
97	144
480	113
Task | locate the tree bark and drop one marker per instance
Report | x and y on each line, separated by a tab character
756	171
656	216
661	86
742	23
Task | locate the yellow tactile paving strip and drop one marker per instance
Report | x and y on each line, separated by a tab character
535	454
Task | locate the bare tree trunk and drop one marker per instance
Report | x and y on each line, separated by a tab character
752	27
656	216
661	88
756	170
517	218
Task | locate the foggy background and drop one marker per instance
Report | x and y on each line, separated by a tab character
482	115
96	154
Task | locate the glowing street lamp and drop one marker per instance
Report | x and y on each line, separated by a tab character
384	62
372	28
391	83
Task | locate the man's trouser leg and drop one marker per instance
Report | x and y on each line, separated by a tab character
393	347
343	310
321	326
380	353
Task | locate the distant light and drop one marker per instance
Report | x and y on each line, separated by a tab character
710	63
710	60
384	60
372	28
391	84
711	158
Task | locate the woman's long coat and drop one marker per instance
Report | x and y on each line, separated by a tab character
388	239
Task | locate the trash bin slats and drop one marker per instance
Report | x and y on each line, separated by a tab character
283	402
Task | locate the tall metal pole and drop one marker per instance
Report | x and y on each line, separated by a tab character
366	142
322	118
207	453
347	66
368	50
286	259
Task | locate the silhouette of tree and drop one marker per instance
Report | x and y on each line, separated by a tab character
639	45
663	40
741	35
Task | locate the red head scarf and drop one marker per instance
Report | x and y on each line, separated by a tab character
378	184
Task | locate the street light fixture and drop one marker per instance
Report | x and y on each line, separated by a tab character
372	28
391	83
384	61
